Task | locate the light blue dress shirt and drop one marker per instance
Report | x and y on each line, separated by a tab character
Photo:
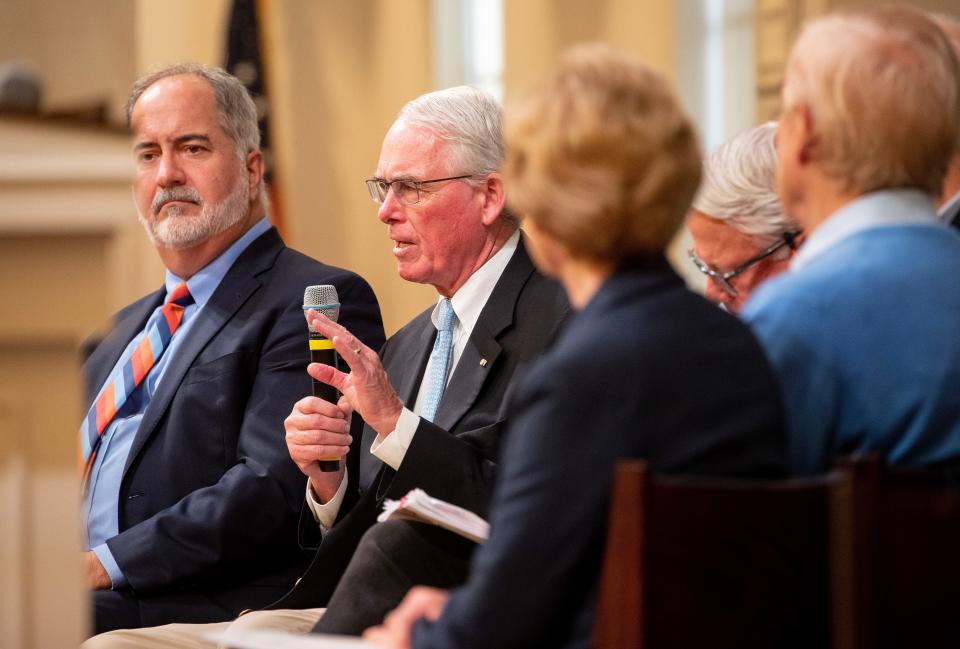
101	507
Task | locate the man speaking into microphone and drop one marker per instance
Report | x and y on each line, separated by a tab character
433	400
191	500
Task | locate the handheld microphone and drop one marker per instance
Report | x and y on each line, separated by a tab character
323	298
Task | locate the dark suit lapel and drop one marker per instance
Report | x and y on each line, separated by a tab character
123	331
482	350
237	286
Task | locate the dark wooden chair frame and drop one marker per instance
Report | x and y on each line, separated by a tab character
704	562
864	558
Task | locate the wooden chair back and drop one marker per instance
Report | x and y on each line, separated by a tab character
698	562
895	557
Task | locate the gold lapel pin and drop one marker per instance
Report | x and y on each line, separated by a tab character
483	362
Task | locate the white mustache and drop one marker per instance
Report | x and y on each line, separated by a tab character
166	195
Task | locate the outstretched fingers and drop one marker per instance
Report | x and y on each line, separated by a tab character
328	374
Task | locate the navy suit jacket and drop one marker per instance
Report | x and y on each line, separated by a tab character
646	370
454	457
209	500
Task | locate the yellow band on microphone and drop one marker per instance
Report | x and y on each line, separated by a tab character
321	343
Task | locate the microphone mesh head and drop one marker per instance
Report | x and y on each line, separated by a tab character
324	299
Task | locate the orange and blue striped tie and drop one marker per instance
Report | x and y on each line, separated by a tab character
130	373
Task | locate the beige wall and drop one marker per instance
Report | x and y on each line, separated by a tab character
538	31
172	31
80	49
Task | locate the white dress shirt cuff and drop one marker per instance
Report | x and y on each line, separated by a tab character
326	513
392	448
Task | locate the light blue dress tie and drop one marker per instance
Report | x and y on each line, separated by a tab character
440	359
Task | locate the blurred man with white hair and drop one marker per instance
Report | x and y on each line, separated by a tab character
863	329
741	235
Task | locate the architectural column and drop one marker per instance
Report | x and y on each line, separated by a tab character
64	204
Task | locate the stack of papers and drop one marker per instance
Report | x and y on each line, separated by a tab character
418	506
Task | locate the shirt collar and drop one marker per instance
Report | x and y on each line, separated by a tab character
470	298
205	281
874	210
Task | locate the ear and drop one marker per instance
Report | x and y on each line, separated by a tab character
807	136
255	170
494	197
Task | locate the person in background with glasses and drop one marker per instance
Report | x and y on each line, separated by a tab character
741	235
433	400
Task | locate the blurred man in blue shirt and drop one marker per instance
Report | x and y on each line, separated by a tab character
863	329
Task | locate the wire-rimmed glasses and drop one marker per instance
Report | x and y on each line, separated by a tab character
724	280
406	190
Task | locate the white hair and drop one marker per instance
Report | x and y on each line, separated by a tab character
881	89
739	186
470	118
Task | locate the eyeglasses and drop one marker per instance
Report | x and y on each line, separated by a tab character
406	190
724	280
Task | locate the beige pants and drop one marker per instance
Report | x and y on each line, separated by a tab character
193	636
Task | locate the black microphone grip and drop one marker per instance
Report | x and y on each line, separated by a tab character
322	351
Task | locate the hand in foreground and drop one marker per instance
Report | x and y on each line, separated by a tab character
420	602
317	429
97	577
366	388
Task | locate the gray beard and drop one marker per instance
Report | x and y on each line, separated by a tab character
179	232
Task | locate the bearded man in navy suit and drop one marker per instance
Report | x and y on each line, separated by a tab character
192	500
